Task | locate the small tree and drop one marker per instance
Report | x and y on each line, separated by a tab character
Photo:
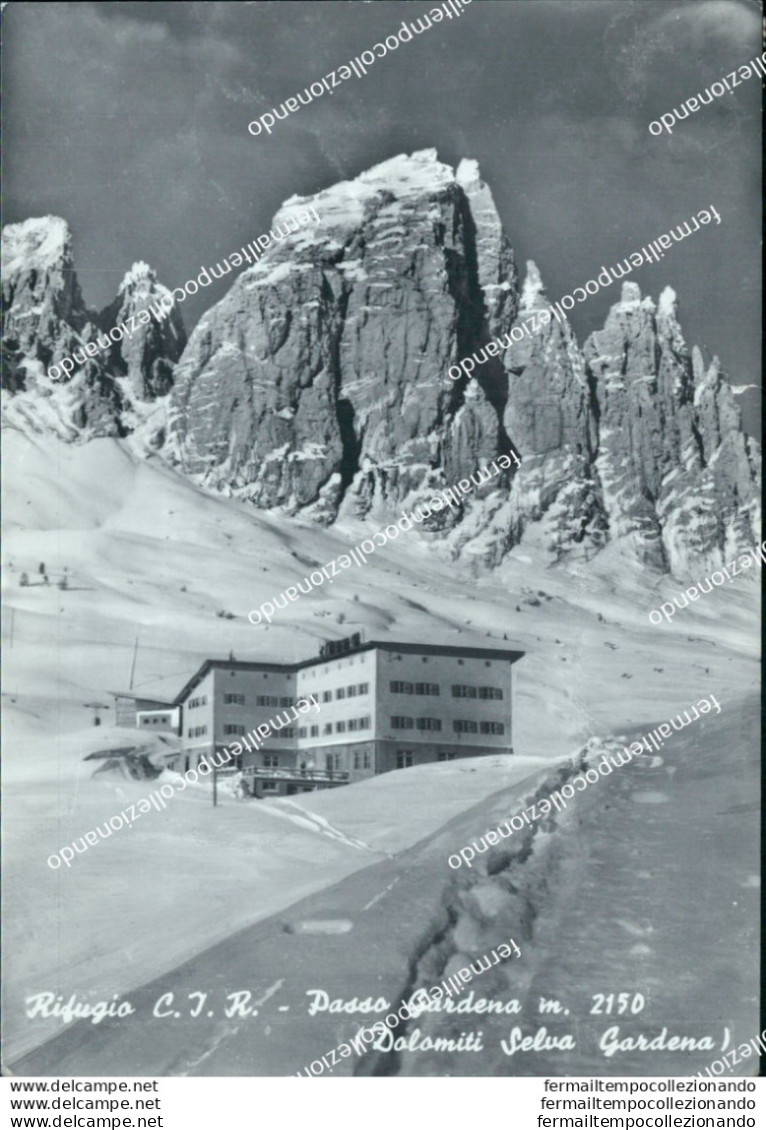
23	580
63	583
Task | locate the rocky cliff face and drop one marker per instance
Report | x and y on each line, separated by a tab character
549	414
679	478
43	306
320	383
45	319
147	357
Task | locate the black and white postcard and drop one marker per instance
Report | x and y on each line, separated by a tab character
382	546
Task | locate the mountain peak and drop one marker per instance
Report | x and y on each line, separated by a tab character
407	174
668	303
347	204
533	292
140	277
35	244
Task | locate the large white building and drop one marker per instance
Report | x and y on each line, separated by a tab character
381	706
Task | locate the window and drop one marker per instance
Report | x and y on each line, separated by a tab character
358	759
400	723
429	724
340	727
351	691
234	700
492	728
269	786
362	759
288	732
490	692
367	760
447	756
271	761
332	761
233	728
460	691
341	692
200	701
266	700
460	726
426	688
397	687
363	688
285	701
302	732
327	728
326	696
314	731
360	723
403	758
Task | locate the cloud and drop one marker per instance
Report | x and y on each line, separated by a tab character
679	47
708	21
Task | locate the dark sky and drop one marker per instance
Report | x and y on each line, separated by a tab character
130	121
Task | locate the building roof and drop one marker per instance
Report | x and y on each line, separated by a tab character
384	645
227	665
433	649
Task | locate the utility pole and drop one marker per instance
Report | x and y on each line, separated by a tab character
133	665
215	785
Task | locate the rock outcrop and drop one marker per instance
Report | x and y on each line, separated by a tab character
147	356
679	478
550	417
45	320
320	378
43	308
